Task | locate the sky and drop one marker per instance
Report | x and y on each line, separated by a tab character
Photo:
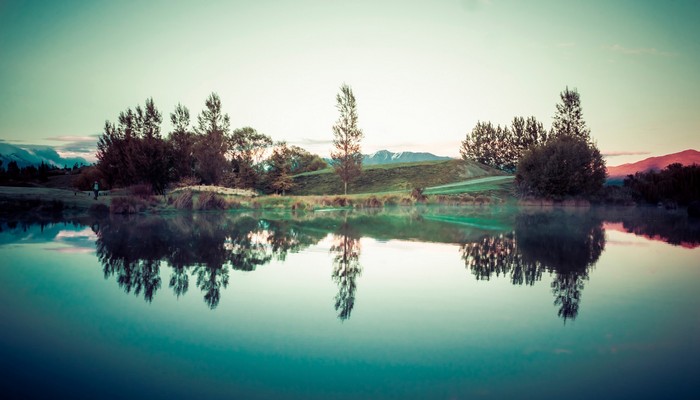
423	72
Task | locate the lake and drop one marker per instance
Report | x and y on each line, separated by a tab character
439	303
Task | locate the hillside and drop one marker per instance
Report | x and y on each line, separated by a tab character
686	157
393	177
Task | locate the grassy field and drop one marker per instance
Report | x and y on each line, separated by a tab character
394	178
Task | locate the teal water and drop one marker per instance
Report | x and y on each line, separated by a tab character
434	303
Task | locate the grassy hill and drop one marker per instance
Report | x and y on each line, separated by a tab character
441	176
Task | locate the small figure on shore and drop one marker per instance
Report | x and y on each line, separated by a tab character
96	189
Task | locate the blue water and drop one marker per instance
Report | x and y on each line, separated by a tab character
444	304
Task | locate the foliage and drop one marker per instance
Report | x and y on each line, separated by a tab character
347	158
676	183
502	147
133	151
280	167
564	166
568	119
87	177
182	143
246	149
212	144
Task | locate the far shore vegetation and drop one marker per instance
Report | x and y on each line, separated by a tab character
210	166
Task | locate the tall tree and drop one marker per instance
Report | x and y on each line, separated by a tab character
347	159
247	148
182	142
212	144
568	119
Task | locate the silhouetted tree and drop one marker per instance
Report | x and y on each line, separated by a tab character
211	144
675	183
568	119
182	141
564	166
569	163
347	157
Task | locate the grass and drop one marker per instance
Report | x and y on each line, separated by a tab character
388	178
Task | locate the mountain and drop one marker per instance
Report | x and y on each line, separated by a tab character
388	157
34	155
687	157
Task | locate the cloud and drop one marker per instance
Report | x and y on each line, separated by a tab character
638	51
311	142
76	146
624	153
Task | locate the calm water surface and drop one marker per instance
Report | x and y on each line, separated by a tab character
436	303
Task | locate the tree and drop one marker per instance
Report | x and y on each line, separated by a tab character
211	145
280	167
303	161
564	166
246	148
569	163
501	147
568	119
347	159
182	142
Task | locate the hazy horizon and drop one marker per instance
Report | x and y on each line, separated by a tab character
423	73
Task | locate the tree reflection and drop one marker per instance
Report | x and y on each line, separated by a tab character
205	246
346	269
564	244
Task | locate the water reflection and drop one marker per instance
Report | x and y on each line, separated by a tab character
564	244
144	254
346	268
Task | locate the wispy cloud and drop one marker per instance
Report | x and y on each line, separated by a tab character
624	153
311	142
638	51
76	146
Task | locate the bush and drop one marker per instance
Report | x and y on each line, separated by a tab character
563	167
142	190
417	194
210	201
87	177
373	202
127	205
183	201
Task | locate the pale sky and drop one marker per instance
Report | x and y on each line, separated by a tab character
423	72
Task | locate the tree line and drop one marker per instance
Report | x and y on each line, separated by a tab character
558	163
133	150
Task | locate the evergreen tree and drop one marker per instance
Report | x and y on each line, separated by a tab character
347	158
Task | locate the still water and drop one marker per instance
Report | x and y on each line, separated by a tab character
424	304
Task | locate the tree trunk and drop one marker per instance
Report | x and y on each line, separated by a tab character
346	187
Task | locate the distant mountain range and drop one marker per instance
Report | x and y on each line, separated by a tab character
34	155
388	157
687	157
